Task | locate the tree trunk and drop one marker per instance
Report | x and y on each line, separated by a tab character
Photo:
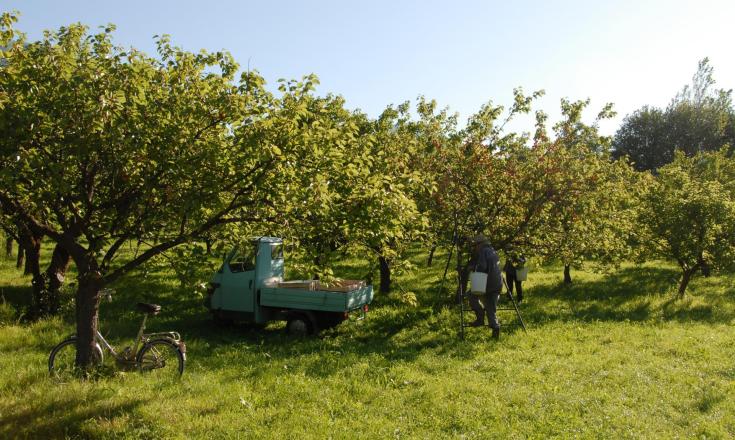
446	267
320	260
33	266
702	264
431	256
567	274
463	276
55	274
686	276
87	309
31	244
8	247
28	267
21	257
384	275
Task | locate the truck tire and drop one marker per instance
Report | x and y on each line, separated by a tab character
299	325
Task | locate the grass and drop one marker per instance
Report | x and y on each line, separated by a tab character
614	355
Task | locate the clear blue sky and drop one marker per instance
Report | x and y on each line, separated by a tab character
461	53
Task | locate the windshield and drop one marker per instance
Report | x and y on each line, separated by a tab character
277	251
244	258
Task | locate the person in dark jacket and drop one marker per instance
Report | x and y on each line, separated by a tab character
485	259
512	263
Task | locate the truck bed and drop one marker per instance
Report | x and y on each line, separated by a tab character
320	300
334	286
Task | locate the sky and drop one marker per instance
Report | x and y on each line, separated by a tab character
461	53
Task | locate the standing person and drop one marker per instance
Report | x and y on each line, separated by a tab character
512	264
485	259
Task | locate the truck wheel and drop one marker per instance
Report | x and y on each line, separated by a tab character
299	325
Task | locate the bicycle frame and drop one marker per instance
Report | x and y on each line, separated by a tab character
140	338
147	353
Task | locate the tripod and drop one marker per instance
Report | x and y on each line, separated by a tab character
462	296
463	304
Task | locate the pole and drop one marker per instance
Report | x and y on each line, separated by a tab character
449	258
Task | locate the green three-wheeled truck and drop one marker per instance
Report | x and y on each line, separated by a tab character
250	287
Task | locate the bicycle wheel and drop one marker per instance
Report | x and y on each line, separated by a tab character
62	360
161	357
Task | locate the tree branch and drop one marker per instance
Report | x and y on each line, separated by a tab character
7	202
142	258
110	254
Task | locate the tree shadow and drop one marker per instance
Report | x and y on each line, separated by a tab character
396	338
619	287
395	334
635	294
401	335
60	418
18	298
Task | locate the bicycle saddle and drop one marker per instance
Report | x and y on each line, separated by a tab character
153	309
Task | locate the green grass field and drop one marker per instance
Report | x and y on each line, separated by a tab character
612	356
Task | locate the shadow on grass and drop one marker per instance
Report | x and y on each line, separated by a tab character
16	301
616	288
390	336
394	337
60	418
635	294
18	296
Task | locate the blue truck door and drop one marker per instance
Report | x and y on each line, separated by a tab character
238	281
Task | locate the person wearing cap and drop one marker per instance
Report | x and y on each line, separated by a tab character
485	259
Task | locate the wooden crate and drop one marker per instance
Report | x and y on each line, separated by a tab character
299	284
334	286
342	285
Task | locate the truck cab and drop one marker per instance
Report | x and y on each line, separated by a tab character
249	286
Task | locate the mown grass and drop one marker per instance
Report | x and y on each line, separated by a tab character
614	355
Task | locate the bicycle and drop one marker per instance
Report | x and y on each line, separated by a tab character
157	350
